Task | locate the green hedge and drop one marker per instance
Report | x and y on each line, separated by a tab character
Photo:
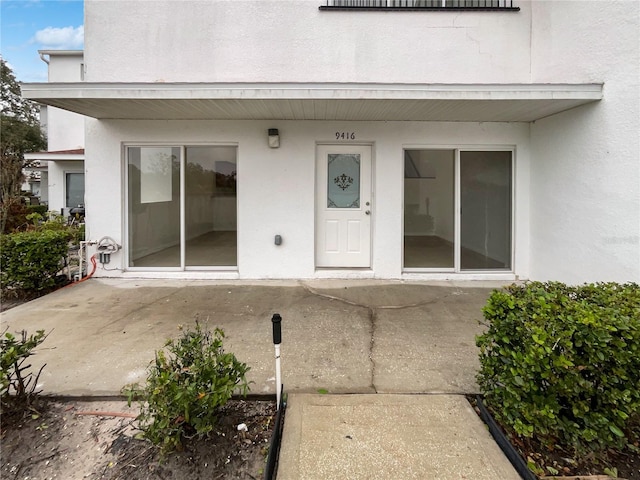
29	261
40	209
563	363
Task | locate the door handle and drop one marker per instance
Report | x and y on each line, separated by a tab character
368	212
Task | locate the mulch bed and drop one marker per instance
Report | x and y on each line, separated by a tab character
98	439
627	462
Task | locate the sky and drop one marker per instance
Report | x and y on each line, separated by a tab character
27	26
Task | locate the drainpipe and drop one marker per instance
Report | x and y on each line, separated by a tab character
42	58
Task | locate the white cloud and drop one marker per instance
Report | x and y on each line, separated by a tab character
65	38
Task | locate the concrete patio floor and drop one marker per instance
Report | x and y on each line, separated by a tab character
342	336
347	338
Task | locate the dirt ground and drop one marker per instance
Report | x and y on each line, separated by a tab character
10	299
96	439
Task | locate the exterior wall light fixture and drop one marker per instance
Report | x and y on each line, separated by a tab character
274	138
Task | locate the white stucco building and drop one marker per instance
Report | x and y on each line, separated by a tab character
299	139
62	165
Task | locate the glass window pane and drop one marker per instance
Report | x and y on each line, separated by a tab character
155	175
485	221
75	190
429	209
210	206
154	206
343	189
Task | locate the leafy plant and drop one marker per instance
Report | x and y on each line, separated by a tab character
562	363
58	223
30	260
40	209
14	351
77	233
186	387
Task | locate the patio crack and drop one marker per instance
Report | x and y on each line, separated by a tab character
317	293
372	314
372	325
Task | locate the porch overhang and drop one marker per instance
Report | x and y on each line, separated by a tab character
56	155
318	101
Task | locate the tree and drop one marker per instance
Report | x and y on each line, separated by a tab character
20	133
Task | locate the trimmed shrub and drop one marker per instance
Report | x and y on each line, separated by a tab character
29	261
39	209
186	388
563	363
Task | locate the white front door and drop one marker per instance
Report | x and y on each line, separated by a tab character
343	206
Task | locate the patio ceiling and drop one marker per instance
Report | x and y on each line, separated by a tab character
366	102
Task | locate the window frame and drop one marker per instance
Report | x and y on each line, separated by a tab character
456	269
182	146
66	173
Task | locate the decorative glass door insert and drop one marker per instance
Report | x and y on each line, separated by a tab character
343	180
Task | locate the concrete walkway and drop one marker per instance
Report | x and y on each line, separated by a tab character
388	436
345	337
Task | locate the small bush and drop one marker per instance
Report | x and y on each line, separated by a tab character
39	209
563	363
58	223
186	387
77	233
54	221
30	260
13	377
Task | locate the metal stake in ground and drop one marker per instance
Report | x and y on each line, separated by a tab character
277	340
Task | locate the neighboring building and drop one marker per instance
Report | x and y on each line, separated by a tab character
295	139
32	181
61	167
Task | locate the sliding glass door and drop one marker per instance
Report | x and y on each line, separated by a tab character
429	205
154	206
210	206
181	207
485	210
457	210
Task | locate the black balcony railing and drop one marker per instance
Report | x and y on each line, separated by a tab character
442	5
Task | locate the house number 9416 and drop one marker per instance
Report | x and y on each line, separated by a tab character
345	136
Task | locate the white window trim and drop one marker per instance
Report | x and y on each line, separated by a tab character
456	272
182	269
64	186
